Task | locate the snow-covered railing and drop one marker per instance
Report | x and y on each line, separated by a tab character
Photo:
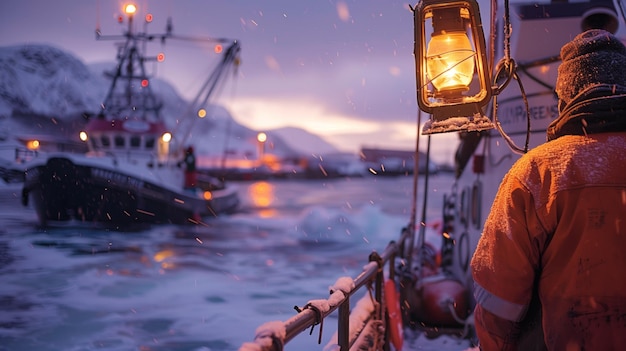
367	317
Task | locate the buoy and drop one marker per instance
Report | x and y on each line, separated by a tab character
393	314
443	301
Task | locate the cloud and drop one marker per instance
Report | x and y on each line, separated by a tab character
271	113
346	132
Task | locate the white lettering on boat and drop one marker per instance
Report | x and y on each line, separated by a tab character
116	178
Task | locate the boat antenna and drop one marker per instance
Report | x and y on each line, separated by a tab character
169	27
98	31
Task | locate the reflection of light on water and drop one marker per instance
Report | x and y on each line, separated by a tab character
167	265
163	255
262	195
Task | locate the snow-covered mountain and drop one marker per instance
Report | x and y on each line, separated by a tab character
44	90
44	80
301	141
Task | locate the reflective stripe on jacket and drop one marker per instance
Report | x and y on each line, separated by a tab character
557	229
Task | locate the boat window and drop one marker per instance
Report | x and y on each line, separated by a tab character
94	143
135	141
106	142
120	141
150	142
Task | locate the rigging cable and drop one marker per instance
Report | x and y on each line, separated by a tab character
230	120
214	81
492	33
508	139
508	67
413	219
422	233
507	32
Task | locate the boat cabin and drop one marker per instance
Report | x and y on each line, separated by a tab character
127	137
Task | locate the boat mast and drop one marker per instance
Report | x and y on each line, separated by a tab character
130	94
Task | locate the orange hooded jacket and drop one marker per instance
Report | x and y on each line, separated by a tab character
554	243
557	229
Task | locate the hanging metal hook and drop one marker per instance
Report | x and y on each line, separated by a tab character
505	71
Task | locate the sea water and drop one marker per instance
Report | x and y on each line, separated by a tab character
205	287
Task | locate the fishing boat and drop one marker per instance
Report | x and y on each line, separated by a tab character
415	284
132	173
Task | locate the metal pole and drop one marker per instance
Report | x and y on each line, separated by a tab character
343	329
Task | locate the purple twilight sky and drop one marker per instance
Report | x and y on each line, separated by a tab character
341	69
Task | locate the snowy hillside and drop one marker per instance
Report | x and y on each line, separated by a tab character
45	90
301	141
44	80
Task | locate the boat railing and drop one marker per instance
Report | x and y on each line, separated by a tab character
273	336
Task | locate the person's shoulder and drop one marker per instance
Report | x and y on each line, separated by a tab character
543	157
556	155
568	145
561	147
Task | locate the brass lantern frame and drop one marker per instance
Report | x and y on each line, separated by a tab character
463	111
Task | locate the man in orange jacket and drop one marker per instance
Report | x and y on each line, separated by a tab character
556	234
